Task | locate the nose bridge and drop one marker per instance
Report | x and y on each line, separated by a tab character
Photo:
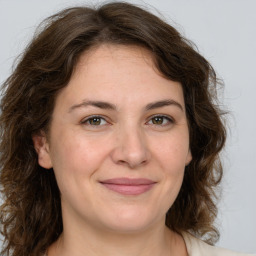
131	148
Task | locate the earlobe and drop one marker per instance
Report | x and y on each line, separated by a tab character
42	148
189	158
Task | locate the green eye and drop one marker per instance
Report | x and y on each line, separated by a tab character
95	121
160	120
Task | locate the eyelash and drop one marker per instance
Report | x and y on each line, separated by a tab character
168	119
87	120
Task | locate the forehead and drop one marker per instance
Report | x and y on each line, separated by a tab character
119	74
117	54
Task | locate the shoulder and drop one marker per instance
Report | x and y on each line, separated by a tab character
197	247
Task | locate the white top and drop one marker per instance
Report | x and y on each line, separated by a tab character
197	247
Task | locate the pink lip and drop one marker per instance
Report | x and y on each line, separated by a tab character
127	186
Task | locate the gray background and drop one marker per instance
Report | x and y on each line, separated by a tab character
225	33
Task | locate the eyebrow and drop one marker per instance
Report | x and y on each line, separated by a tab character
110	106
163	103
98	104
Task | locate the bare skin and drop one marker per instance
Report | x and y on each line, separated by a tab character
173	244
117	118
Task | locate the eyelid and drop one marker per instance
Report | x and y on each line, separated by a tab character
86	119
169	118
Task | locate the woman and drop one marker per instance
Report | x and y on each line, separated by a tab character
110	140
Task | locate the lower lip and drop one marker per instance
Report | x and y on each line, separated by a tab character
129	189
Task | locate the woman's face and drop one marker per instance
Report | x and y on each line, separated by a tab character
118	141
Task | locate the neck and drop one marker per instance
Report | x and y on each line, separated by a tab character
78	241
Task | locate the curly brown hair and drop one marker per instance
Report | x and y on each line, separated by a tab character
31	211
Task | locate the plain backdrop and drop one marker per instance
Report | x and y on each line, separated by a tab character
225	33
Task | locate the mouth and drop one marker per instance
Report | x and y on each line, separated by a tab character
127	186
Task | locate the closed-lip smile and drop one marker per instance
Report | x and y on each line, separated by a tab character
128	186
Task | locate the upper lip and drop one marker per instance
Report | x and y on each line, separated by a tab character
128	181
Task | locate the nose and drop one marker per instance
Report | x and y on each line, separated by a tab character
131	148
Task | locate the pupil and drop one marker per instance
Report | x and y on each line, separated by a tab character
158	120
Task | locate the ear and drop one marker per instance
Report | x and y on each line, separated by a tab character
42	148
189	157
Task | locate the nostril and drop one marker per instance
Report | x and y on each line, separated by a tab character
132	164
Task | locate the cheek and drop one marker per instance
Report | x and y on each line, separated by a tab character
172	152
74	164
77	156
171	157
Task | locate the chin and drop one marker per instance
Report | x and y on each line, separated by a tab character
130	221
